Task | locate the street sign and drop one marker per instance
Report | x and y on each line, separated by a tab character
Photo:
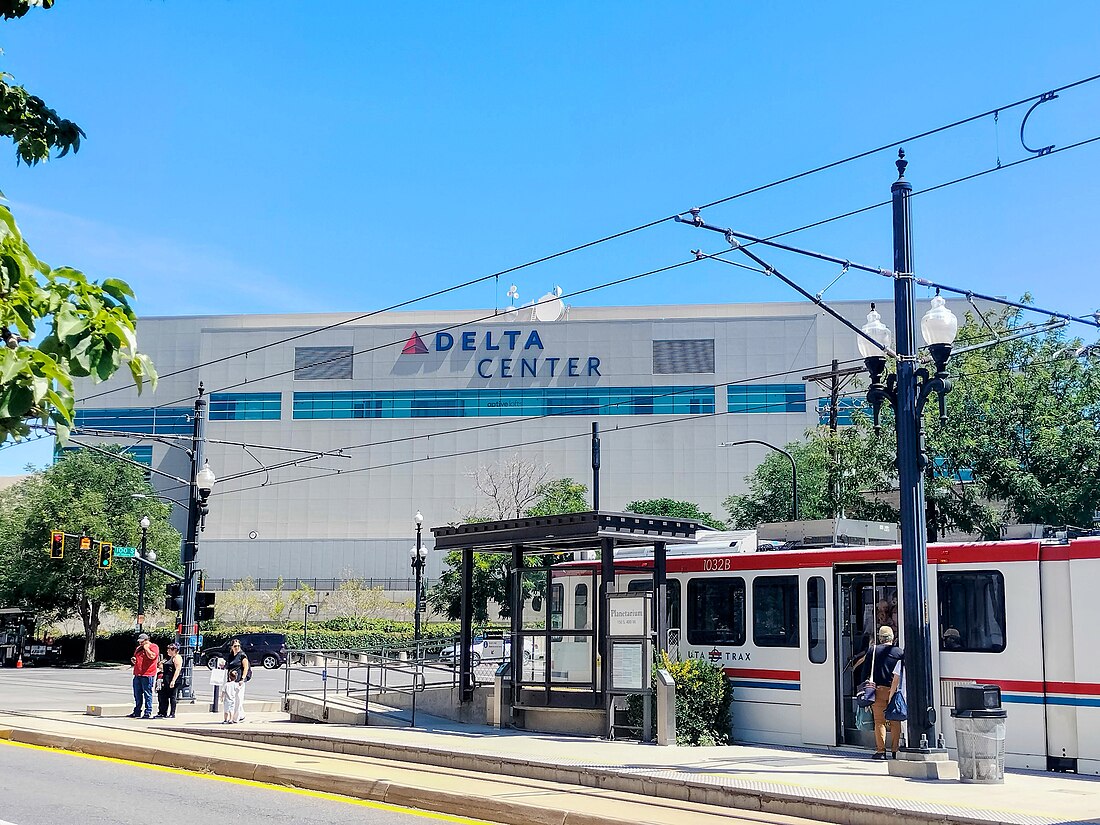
125	552
141	618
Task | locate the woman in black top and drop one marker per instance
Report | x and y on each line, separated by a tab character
878	664
166	696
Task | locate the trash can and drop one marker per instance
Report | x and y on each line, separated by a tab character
980	733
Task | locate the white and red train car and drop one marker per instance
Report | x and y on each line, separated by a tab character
785	624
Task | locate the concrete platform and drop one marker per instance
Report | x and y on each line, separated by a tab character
125	708
653	784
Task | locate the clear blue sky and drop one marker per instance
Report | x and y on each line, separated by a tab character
253	156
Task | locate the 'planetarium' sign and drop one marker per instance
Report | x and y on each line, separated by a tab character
521	356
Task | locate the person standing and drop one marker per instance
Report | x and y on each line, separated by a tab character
879	665
171	667
237	672
144	660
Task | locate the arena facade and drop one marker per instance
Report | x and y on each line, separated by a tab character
393	413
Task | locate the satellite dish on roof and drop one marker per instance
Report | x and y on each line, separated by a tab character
550	306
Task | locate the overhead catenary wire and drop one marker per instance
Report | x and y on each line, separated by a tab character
584	433
995	112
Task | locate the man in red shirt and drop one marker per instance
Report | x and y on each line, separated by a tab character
144	661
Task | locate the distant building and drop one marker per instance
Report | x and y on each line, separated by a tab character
418	400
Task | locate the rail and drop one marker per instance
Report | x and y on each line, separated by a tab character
319	585
351	676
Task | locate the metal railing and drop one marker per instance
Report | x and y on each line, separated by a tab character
347	677
291	585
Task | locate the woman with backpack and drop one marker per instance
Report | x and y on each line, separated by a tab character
238	671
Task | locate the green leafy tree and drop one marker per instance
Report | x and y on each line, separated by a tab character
1023	431
491	570
670	508
84	492
846	472
564	495
93	328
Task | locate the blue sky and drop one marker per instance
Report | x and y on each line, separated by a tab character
255	156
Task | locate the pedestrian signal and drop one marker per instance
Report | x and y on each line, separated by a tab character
204	606
106	553
85	543
57	544
173	596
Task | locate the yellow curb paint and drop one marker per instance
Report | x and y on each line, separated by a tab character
350	800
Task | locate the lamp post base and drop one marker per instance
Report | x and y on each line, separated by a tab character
926	764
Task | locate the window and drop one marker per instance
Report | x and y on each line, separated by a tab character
320	363
816	622
775	611
716	611
557	605
766	398
580	607
146	420
685	356
972	611
672	595
246	406
494	403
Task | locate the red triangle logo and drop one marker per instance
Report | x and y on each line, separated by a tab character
415	345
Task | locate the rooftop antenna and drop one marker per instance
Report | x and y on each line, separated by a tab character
550	306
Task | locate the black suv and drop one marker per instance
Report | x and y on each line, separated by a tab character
266	649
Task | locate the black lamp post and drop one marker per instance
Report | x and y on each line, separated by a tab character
202	482
417	558
790	458
907	391
151	556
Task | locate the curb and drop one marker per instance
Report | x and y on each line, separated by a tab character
408	796
838	807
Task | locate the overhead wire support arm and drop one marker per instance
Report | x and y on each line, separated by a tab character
771	270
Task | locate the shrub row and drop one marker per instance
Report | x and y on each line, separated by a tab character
703	700
365	634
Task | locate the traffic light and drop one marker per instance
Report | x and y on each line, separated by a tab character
85	543
106	553
204	606
174	596
57	544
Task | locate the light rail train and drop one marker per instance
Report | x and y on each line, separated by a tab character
784	624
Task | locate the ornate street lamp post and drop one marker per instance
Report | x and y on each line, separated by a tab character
151	556
907	391
417	558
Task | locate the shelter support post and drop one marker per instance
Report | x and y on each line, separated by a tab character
607	585
660	591
466	631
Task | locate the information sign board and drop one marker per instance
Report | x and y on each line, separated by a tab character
628	616
628	670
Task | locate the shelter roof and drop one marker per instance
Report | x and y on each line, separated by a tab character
565	533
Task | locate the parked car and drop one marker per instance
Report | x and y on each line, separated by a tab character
267	650
489	650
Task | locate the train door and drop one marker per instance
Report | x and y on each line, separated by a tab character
866	600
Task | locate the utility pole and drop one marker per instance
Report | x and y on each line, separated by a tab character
832	383
595	466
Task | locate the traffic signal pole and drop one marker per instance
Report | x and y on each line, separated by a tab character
195	506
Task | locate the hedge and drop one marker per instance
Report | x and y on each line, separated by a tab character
361	634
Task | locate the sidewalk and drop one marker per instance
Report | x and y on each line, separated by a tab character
475	771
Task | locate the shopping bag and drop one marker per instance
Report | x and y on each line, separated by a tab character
865	719
865	694
897	710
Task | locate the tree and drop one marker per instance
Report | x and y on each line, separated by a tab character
1024	424
93	327
84	492
510	487
838	473
670	508
492	570
563	495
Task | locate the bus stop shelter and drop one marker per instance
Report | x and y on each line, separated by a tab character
559	657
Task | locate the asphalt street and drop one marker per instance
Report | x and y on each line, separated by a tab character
27	689
43	787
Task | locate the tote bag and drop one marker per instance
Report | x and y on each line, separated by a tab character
898	710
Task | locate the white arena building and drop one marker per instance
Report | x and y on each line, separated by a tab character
405	406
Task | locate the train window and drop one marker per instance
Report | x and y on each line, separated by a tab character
972	611
815	619
673	591
580	607
775	611
716	611
557	605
